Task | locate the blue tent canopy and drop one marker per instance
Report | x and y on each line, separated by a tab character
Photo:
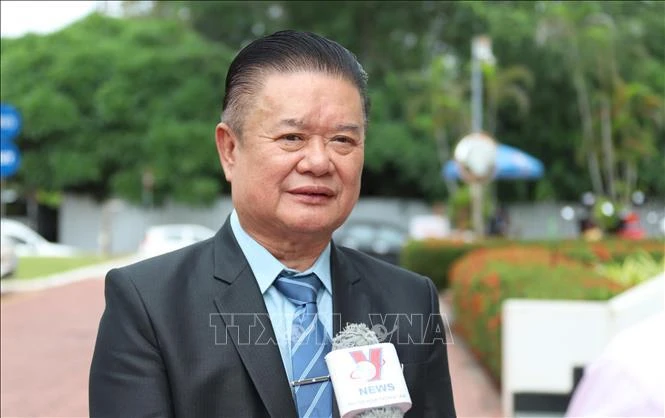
511	164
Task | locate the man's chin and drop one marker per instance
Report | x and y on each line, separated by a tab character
312	226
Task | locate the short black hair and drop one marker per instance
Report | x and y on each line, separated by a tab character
286	51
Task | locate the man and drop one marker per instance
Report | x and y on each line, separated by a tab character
217	329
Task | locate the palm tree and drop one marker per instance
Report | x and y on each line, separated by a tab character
438	103
560	27
503	85
637	116
626	115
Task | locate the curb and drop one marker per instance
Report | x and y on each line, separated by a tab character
94	271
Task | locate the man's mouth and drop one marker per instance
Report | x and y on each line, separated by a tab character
313	191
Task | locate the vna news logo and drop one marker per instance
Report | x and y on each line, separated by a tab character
368	369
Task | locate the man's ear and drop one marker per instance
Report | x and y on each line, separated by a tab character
227	144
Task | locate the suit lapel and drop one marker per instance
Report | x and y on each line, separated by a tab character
243	311
352	303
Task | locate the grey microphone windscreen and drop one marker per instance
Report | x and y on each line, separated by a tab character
354	335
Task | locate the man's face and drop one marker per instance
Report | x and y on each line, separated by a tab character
297	168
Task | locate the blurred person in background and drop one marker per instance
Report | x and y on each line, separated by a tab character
204	331
499	225
629	227
628	379
434	225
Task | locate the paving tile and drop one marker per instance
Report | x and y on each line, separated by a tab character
474	393
46	348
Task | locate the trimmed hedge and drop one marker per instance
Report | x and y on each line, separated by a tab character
484	278
434	257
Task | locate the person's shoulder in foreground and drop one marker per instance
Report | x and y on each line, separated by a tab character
628	379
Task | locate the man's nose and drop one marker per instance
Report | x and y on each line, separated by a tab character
316	158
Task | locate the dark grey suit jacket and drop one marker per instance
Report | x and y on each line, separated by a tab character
186	335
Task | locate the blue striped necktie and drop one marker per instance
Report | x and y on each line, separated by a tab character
309	344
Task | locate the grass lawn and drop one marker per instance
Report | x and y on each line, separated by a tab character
31	267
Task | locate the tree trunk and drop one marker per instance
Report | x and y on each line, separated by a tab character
631	181
608	146
587	133
584	106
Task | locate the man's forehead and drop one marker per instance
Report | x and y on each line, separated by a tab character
308	99
299	123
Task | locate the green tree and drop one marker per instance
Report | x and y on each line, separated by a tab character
561	28
152	88
506	86
107	101
636	117
437	104
594	40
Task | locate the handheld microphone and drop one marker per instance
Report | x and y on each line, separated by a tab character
366	375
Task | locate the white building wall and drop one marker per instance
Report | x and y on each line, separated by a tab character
81	219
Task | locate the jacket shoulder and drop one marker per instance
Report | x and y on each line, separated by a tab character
174	266
371	267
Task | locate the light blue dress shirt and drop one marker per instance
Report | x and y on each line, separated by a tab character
266	268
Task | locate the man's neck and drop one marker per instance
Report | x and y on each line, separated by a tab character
298	255
295	251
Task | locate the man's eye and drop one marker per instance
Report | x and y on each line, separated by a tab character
292	137
343	139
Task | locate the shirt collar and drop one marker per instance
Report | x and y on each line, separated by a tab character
266	267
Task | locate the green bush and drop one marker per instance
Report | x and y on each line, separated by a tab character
483	279
434	257
592	253
633	270
482	275
609	220
461	208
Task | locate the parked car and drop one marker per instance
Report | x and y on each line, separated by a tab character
8	258
160	239
379	239
27	242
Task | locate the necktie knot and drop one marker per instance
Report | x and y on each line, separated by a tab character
300	290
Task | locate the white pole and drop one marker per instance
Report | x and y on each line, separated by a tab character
477	126
476	94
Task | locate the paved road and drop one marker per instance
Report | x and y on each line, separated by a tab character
48	338
47	342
